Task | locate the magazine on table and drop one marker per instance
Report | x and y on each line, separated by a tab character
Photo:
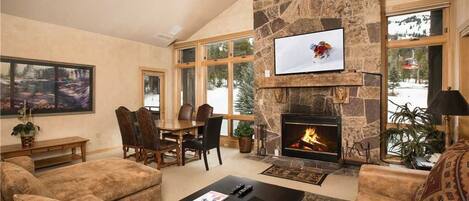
212	196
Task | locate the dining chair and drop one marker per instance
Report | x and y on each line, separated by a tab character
129	132
185	113
210	140
204	112
152	144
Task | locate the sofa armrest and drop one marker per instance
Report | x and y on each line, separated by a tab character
393	183
25	162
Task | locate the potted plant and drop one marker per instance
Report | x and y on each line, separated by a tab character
244	133
414	134
26	129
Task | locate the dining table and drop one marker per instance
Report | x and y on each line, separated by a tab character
179	128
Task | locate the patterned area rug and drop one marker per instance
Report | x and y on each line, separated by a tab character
306	176
315	197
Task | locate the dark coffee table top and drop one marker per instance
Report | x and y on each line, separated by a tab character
261	191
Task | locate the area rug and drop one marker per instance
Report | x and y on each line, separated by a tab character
315	197
301	175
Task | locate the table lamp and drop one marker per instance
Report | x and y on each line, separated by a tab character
449	103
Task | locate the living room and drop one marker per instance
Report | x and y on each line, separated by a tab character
234	100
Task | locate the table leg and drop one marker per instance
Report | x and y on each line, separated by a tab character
196	134
181	138
83	152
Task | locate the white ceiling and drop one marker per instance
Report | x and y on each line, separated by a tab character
139	20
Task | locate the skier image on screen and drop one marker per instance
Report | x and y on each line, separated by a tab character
321	50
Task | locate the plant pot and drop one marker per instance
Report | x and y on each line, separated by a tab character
27	141
245	144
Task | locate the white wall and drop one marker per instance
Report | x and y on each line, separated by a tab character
117	76
237	18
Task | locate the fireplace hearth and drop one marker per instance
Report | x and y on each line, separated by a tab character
311	137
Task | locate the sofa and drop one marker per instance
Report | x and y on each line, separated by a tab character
448	179
99	180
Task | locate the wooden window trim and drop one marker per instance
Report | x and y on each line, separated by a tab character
162	74
442	40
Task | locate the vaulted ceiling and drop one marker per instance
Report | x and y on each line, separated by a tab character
156	22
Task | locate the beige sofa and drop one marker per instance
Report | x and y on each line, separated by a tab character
106	179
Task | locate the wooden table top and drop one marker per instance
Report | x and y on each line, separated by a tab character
177	125
43	144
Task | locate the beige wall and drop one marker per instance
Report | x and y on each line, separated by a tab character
117	75
237	18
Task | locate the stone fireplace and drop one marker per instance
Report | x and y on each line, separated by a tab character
311	136
316	94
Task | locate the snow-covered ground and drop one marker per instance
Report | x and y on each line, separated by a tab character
152	99
408	91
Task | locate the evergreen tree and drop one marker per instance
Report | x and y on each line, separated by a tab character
245	97
394	79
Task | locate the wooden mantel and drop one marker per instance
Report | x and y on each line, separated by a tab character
312	80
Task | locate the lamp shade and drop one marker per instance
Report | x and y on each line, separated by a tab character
449	102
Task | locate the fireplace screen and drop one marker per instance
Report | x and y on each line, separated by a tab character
310	136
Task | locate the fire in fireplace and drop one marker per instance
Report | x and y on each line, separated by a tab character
311	136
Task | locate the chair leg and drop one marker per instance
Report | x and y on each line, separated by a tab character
183	156
137	155
145	157
158	160
125	152
179	156
205	160
219	155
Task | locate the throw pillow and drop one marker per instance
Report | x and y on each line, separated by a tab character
449	178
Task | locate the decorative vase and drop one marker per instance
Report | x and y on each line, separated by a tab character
245	144
27	141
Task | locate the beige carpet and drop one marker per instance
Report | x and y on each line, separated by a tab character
178	182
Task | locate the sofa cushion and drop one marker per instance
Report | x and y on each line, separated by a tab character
449	178
25	162
107	179
16	180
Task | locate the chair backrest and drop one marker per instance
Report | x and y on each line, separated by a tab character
127	127
185	112
150	133
212	131
204	112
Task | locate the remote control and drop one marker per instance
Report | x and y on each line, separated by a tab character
246	190
237	189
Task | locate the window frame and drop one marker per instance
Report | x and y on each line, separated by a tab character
201	65
442	40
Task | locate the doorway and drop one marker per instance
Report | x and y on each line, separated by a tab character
153	93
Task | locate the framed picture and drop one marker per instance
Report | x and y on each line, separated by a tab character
45	86
311	52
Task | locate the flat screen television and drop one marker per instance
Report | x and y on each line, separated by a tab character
45	86
311	52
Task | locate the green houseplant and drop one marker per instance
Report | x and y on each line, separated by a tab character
244	133
414	134
26	130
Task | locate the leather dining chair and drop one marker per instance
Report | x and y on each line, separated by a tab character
131	137
204	112
210	140
153	146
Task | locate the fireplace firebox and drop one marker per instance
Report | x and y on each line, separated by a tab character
311	136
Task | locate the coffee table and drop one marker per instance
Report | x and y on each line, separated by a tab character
261	191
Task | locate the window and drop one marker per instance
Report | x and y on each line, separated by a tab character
45	87
409	73
217	50
243	47
243	88
217	88
415	25
415	60
222	77
187	91
187	55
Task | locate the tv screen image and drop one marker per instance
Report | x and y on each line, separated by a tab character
311	52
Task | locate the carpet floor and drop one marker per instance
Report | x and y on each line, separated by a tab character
180	181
